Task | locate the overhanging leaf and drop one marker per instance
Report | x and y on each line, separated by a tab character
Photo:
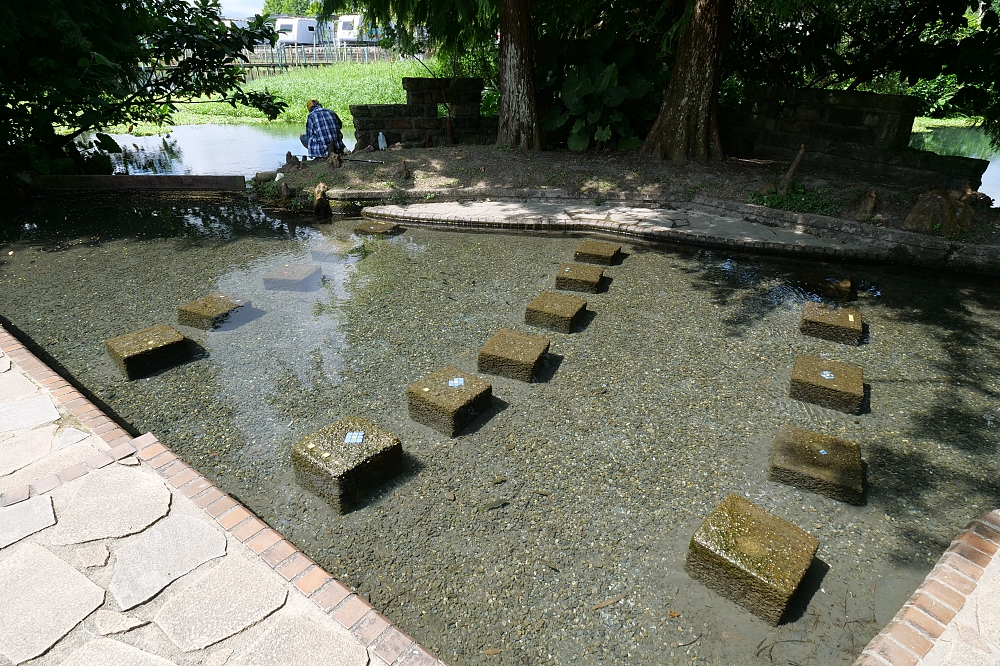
578	141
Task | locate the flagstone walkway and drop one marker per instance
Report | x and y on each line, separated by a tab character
115	552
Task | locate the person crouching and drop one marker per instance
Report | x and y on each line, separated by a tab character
323	131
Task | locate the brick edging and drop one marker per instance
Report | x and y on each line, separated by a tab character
655	234
918	625
381	638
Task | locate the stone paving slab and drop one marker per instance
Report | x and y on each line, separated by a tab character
109	652
27	413
291	641
24	519
24	448
43	599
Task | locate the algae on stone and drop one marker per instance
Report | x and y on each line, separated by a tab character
836	324
827	384
555	311
343	470
818	463
448	400
512	354
837	288
597	252
209	312
579	277
751	556
144	352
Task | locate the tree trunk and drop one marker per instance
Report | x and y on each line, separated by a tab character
518	127
687	126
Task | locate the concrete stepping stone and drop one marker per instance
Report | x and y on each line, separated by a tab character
827	384
109	652
110	622
293	640
834	287
112	502
226	600
166	551
25	518
144	352
818	463
209	312
345	461
448	400
831	323
14	386
751	557
28	413
558	312
23	449
597	252
68	437
512	354
294	277
373	228
31	579
579	277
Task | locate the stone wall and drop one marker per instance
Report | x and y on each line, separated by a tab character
417	123
848	128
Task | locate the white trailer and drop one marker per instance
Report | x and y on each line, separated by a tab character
297	30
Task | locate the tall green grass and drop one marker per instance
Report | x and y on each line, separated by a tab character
335	86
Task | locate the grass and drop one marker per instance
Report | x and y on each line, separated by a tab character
335	86
798	200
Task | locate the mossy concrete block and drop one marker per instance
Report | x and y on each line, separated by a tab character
557	312
512	354
834	287
335	465
818	463
597	252
828	384
293	277
209	312
376	228
579	277
144	352
448	400
832	323
751	557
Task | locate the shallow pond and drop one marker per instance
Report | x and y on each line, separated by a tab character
966	142
573	490
207	150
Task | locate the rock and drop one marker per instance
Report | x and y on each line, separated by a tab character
834	287
166	551
818	463
25	518
265	176
514	355
401	171
367	149
969	196
376	228
291	160
144	352
396	146
751	557
111	622
286	192
827	384
597	252
867	205
448	400
294	277
558	312
321	205
32	578
335	465
579	277
937	212
836	324
334	161
209	312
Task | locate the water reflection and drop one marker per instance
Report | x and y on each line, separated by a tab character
965	142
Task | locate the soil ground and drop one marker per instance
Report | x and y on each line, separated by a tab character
601	175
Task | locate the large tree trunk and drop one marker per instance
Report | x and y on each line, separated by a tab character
687	126
518	127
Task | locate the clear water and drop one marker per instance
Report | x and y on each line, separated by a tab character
208	150
575	489
965	142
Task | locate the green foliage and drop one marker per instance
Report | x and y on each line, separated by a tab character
69	66
292	7
602	99
798	200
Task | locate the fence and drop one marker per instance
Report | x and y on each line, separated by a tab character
265	60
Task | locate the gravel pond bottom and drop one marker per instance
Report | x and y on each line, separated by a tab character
580	488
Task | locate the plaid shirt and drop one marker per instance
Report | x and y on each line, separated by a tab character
322	127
